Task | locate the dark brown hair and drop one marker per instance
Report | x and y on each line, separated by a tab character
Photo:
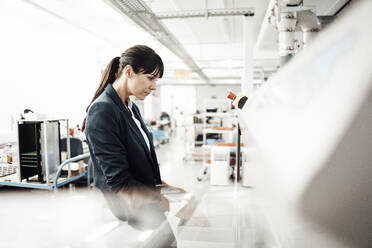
142	59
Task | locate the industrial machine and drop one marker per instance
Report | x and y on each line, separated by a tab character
220	165
39	149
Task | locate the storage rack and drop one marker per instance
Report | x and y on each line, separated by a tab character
193	145
34	157
213	129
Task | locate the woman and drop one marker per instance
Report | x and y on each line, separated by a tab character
124	160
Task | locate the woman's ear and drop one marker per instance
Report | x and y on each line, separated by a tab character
128	71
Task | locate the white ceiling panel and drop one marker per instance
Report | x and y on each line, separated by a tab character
326	7
184	32
216	51
160	6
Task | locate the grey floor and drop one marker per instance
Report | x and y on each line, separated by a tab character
174	169
226	216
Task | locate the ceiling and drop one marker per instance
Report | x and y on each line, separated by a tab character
209	47
216	43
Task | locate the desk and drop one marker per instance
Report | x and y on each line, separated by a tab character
7	169
13	180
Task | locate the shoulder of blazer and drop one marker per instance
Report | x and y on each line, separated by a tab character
103	103
102	111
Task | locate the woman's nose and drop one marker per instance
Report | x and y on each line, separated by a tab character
153	86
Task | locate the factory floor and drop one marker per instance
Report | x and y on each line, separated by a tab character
174	169
226	216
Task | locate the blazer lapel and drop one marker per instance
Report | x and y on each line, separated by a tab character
138	133
115	97
144	128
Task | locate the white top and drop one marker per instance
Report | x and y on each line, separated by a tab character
130	104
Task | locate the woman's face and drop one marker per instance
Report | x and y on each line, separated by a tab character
141	85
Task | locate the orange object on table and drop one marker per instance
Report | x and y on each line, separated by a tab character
228	144
223	128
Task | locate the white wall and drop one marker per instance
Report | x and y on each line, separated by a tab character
204	92
152	107
179	101
182	101
53	65
45	65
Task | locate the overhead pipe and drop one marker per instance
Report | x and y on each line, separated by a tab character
307	21
286	27
309	24
291	3
265	27
288	23
285	23
272	19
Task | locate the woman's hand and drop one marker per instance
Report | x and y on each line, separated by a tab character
164	204
137	198
170	188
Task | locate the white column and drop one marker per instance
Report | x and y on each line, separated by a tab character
151	106
147	108
248	39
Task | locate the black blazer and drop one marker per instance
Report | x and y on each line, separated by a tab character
120	156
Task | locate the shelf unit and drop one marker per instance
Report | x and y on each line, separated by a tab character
216	128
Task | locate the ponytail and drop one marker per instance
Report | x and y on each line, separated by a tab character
141	58
108	77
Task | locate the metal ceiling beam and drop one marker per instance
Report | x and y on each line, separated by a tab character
142	15
211	78
205	13
324	20
197	82
255	68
